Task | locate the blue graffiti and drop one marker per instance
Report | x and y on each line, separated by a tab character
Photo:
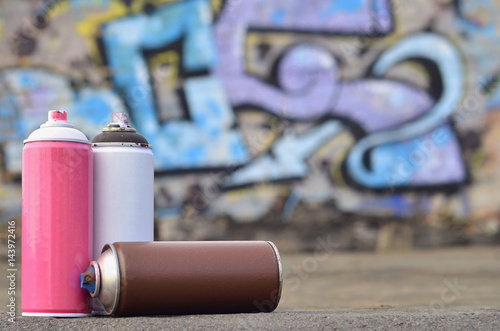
27	94
311	65
288	159
477	20
406	137
319	16
444	54
208	139
434	159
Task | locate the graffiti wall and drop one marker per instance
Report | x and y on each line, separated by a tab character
263	110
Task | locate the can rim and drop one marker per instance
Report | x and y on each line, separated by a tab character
87	142
125	144
114	307
97	272
117	292
280	270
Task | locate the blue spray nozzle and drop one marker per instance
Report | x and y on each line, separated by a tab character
87	279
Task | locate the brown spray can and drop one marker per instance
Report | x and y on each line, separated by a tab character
165	278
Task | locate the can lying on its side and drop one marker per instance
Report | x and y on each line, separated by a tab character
163	278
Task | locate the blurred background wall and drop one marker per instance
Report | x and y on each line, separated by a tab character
373	120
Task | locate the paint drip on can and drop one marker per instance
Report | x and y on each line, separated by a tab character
57	202
123	185
165	278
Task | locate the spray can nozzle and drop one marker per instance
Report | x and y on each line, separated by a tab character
57	118
88	279
58	115
119	122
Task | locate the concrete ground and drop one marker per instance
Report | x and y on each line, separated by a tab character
384	319
447	289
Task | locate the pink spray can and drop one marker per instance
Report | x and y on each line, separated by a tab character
57	182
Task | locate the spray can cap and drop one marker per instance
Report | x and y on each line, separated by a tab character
57	128
120	133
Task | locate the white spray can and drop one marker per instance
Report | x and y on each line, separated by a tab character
123	185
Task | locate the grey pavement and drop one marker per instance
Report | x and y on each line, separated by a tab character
443	289
366	319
